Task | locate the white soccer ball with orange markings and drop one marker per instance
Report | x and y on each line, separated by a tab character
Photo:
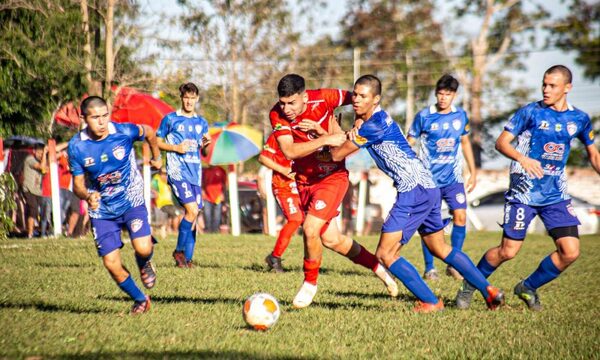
261	311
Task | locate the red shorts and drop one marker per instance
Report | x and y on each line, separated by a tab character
323	199
290	205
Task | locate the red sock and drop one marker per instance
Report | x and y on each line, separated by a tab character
285	235
311	270
366	259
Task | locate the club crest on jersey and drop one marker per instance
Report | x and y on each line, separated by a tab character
544	125
558	127
460	197
104	158
198	129
445	126
88	161
435	126
119	152
136	225
571	128
456	124
320	205
180	128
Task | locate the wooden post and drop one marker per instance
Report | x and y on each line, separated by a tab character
147	174
56	218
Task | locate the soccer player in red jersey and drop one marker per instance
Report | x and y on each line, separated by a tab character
285	191
304	126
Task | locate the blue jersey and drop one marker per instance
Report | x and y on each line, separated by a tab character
545	135
386	143
110	167
440	136
175	128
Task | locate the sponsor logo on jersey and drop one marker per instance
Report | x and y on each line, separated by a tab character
88	161
136	225
445	144
445	126
198	129
553	151
435	126
460	197
456	124
104	158
544	125
360	140
558	127
571	128
552	170
119	152
180	128
326	169
591	135
467	127
320	205
113	178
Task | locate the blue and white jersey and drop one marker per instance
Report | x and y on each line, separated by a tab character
440	136
174	129
386	143
545	135
110	168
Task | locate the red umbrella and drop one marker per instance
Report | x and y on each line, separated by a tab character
139	108
68	115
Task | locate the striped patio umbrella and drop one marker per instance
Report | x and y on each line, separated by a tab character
232	143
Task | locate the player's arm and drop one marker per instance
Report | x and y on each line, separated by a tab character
151	139
531	166
294	151
339	153
268	162
79	188
467	150
594	157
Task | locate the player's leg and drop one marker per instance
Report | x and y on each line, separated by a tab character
136	221
454	196
186	196
430	272
292	211
190	244
313	252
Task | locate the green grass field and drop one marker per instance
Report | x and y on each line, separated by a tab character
57	301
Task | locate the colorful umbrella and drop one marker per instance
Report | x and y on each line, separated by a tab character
232	143
139	108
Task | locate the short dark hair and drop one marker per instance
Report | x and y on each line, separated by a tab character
447	82
188	88
371	81
89	102
566	73
291	84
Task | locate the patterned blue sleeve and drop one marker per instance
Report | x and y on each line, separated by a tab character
519	121
467	128
416	127
371	131
586	135
133	131
74	161
163	128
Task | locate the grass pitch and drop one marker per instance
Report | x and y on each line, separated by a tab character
57	301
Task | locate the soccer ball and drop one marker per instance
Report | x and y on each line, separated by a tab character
261	311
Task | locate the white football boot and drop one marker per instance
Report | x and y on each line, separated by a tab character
388	281
305	295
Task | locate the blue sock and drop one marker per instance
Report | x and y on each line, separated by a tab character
545	273
185	227
427	257
189	245
485	267
409	276
461	262
458	236
131	289
142	261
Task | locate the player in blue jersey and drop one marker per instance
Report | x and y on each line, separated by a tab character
182	134
105	174
538	186
417	206
443	131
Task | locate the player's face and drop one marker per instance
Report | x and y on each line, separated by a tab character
554	88
97	121
188	102
444	99
364	101
294	105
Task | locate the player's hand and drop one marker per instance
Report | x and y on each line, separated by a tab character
206	140
291	175
358	123
471	183
184	146
308	125
156	163
93	200
532	167
336	139
352	133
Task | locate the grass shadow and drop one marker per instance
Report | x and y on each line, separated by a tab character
374	296
52	308
70	265
177	299
200	354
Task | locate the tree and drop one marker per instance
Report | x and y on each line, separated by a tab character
579	31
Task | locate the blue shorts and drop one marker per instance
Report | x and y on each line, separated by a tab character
454	196
186	192
107	233
417	209
517	217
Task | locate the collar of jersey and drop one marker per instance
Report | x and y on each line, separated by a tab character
569	106
111	130
179	113
433	109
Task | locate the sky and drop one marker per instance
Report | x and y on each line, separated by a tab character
584	95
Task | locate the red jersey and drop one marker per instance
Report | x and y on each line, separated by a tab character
273	152
320	108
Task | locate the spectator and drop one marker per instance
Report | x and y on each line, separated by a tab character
46	199
70	206
214	180
32	186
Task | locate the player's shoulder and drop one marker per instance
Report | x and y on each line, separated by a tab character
577	112
379	120
426	111
459	110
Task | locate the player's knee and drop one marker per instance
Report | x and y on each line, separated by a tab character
569	257
191	213
385	257
460	218
507	253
